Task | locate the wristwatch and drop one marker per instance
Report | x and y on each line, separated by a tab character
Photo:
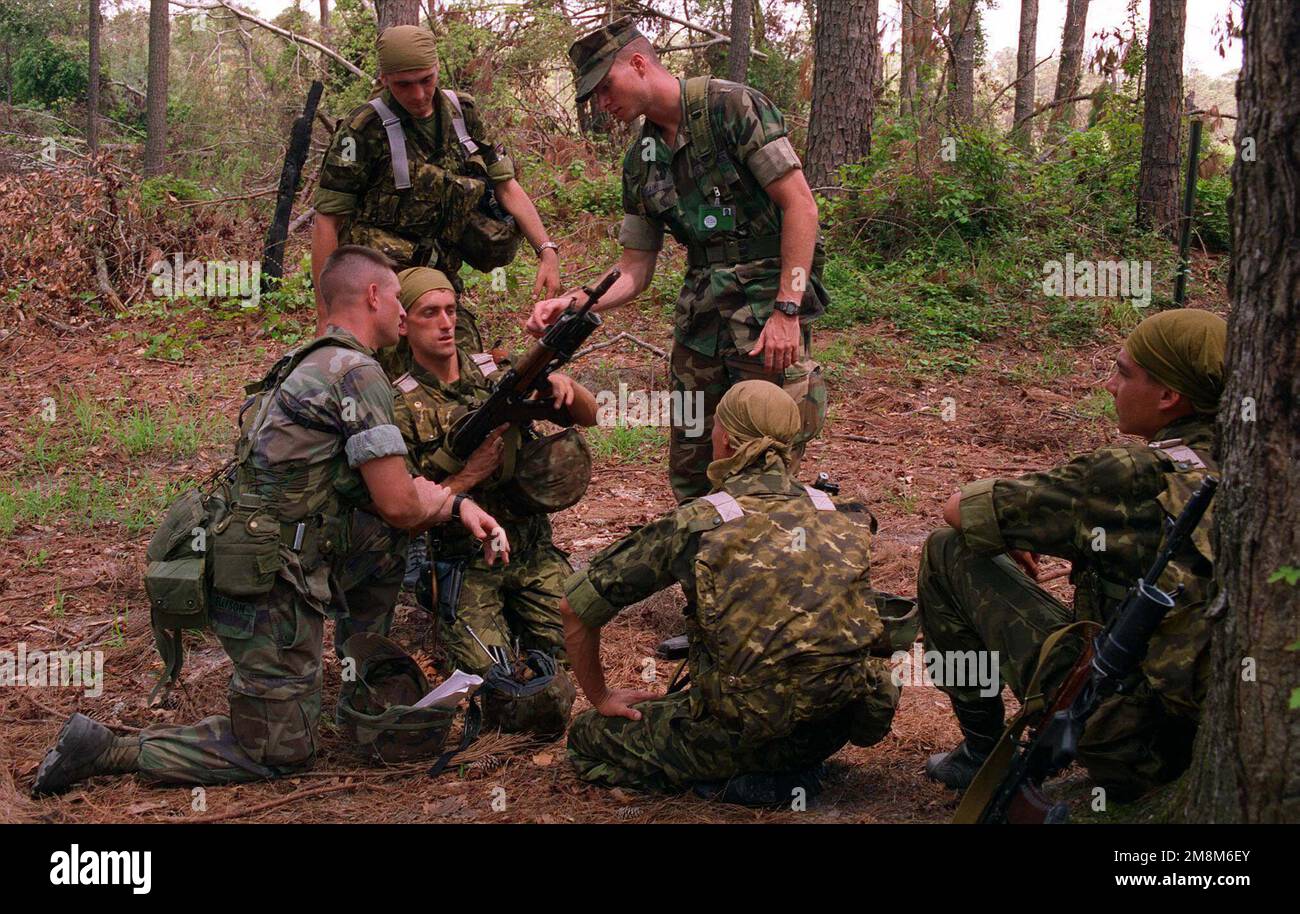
455	506
547	244
788	308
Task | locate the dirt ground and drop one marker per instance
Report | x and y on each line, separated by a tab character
73	582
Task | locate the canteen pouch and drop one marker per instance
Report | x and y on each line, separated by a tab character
174	577
245	550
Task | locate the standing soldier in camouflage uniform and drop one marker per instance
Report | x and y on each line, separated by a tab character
714	167
1106	513
505	606
359	201
781	619
322	442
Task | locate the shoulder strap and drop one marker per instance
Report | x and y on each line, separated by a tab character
458	124
821	501
396	143
704	148
727	506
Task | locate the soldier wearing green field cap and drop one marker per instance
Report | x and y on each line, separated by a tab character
714	167
1106	512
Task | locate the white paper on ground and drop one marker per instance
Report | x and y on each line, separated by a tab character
451	691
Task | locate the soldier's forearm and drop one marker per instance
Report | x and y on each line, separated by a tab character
798	241
582	645
517	203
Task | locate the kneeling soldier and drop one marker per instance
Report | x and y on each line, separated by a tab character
781	620
319	442
1106	512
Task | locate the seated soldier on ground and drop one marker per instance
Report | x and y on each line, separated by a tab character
514	607
317	445
781	622
1106	512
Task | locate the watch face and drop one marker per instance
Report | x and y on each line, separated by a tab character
788	308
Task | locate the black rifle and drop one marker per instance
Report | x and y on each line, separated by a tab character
509	401
1100	672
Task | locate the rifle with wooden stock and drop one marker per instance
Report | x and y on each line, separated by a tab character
1008	788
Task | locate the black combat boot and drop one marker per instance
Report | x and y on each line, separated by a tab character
84	748
764	790
981	724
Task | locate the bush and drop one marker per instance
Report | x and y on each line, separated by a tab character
1211	212
48	73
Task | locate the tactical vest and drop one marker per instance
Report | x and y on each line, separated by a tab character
723	183
218	545
415	206
775	650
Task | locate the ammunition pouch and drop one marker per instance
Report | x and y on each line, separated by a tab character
245	550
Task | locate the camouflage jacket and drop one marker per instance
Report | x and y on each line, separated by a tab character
1106	512
781	609
330	415
356	182
733	277
427	408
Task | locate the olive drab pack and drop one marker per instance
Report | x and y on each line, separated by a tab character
219	545
532	696
813	623
491	237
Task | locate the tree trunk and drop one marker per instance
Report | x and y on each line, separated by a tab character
1070	71
907	68
963	20
155	146
1246	766
922	48
839	126
396	12
92	87
1025	77
742	25
1157	203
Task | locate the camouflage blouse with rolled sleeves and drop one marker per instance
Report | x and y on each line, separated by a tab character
1103	512
359	152
661	192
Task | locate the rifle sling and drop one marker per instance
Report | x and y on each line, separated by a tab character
987	780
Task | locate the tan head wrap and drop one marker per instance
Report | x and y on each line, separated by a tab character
761	421
418	280
1183	350
406	47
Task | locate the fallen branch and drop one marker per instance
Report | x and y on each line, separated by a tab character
717	36
621	336
283	33
271	804
101	280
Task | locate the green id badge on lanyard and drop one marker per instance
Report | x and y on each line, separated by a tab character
717	218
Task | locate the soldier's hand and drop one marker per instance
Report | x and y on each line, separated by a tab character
618	702
486	457
484	528
561	392
1026	560
548	274
544	314
779	342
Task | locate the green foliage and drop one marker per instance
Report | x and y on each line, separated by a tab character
164	190
1211	221
626	443
1288	574
48	73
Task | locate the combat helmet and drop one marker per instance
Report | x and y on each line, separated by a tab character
376	709
551	473
530	695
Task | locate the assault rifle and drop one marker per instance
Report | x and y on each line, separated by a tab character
509	401
1016	796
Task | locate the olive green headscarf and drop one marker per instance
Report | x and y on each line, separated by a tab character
406	47
418	280
761	421
1183	350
